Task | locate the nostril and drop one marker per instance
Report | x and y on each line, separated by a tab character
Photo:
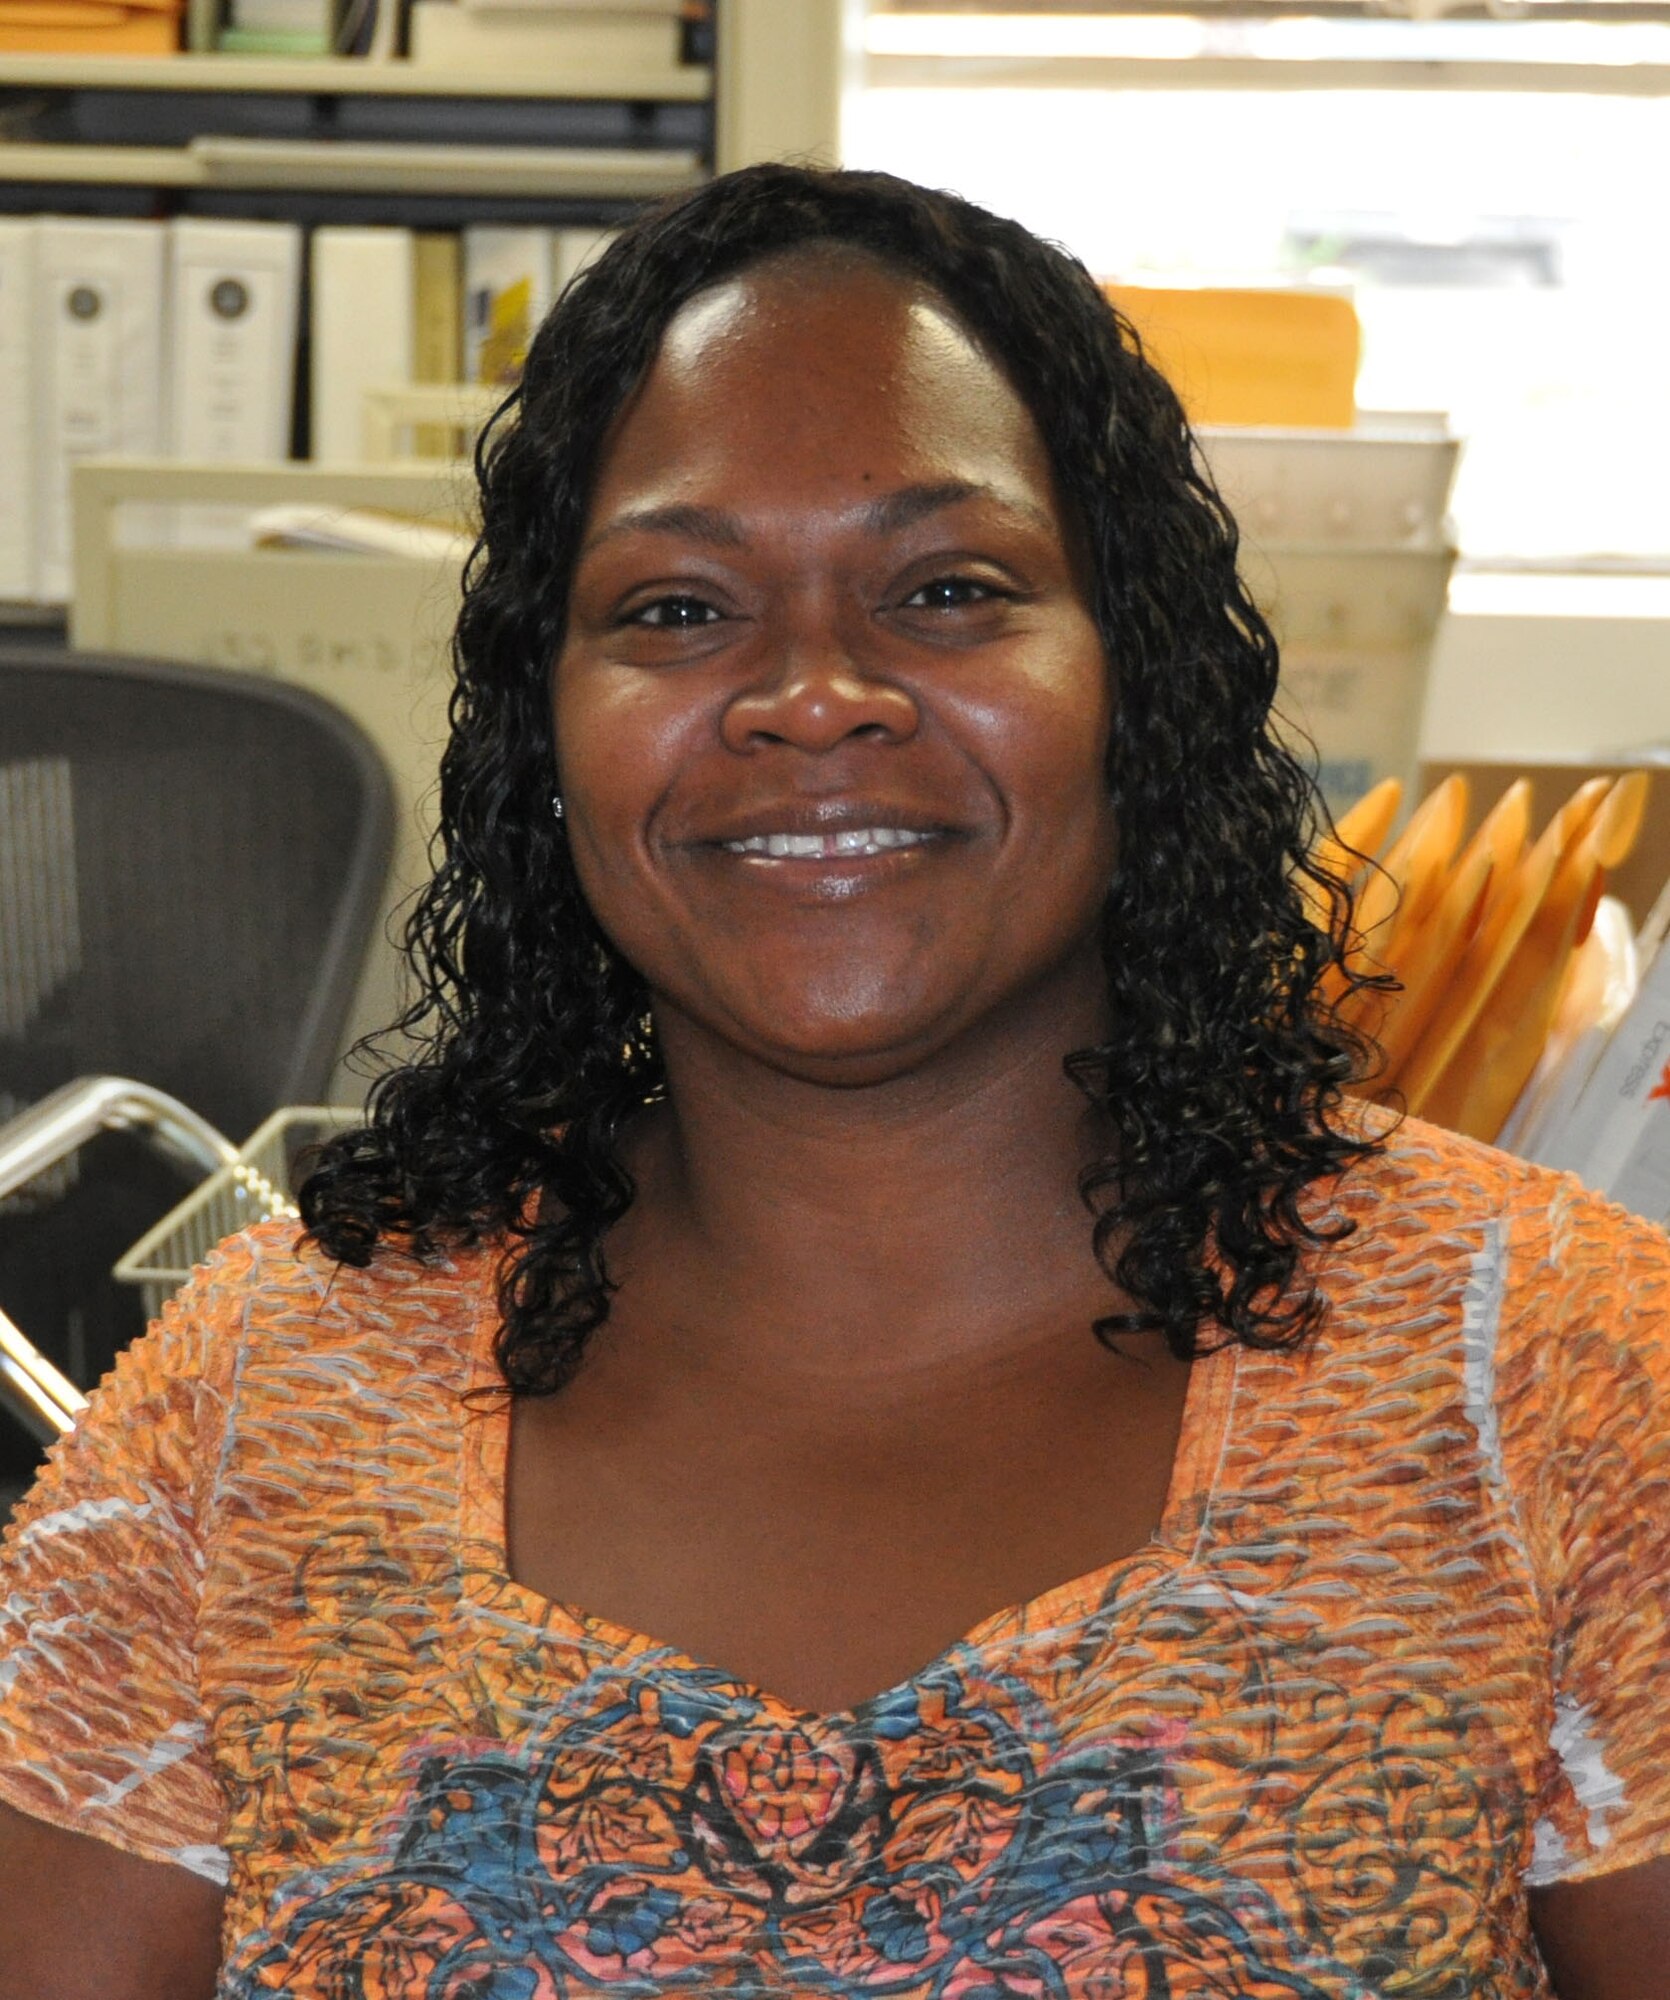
816	707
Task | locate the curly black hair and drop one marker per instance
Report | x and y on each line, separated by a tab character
534	1040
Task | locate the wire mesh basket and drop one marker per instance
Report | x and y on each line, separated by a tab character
270	1166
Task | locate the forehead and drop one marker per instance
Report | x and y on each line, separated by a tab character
819	373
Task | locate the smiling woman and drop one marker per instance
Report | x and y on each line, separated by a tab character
873	1206
1013	404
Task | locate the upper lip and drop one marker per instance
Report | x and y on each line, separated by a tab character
805	816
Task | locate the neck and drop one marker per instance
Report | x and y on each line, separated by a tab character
939	1209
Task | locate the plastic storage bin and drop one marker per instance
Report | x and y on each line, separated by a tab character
1346	550
1380	485
1356	628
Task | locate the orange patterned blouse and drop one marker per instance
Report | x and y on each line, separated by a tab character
1400	1648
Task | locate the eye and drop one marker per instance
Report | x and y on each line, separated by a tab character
951	593
676	614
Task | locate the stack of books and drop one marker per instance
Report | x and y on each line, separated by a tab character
1530	1011
278	28
597	40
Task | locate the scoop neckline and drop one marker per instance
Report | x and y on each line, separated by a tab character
489	1588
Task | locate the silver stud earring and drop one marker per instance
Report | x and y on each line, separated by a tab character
556	806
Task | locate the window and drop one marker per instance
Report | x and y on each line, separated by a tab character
1505	244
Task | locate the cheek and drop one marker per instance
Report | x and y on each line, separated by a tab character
620	743
620	740
1045	742
1042	725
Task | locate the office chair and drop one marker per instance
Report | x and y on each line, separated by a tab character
191	866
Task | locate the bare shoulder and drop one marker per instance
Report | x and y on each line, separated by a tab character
81	1920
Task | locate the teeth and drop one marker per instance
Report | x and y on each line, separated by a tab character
826	846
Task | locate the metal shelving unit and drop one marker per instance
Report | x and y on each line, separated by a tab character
349	139
328	76
353	139
350	168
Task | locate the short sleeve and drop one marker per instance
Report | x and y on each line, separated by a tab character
1585	1402
101	1568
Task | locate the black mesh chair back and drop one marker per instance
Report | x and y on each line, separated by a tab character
191	867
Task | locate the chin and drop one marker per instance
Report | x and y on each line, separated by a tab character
850	1042
849	1069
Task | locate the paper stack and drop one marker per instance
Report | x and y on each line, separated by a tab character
278	28
90	27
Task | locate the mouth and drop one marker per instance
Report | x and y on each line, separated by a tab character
848	843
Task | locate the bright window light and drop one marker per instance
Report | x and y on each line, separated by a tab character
1298	38
1505	250
1049	36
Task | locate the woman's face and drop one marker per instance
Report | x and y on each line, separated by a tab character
832	711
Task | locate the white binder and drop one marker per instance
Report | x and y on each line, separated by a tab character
17	449
235	288
97	339
364	288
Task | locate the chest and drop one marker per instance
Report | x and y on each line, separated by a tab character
1163	1775
828	1550
1288	1746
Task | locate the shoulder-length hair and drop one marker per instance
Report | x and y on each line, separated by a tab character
531	1042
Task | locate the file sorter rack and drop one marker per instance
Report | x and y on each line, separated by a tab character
260	1183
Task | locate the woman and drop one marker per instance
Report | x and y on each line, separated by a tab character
865	965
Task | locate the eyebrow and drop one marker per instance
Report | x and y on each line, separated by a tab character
888	514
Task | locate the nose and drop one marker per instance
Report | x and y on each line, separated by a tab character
817	699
